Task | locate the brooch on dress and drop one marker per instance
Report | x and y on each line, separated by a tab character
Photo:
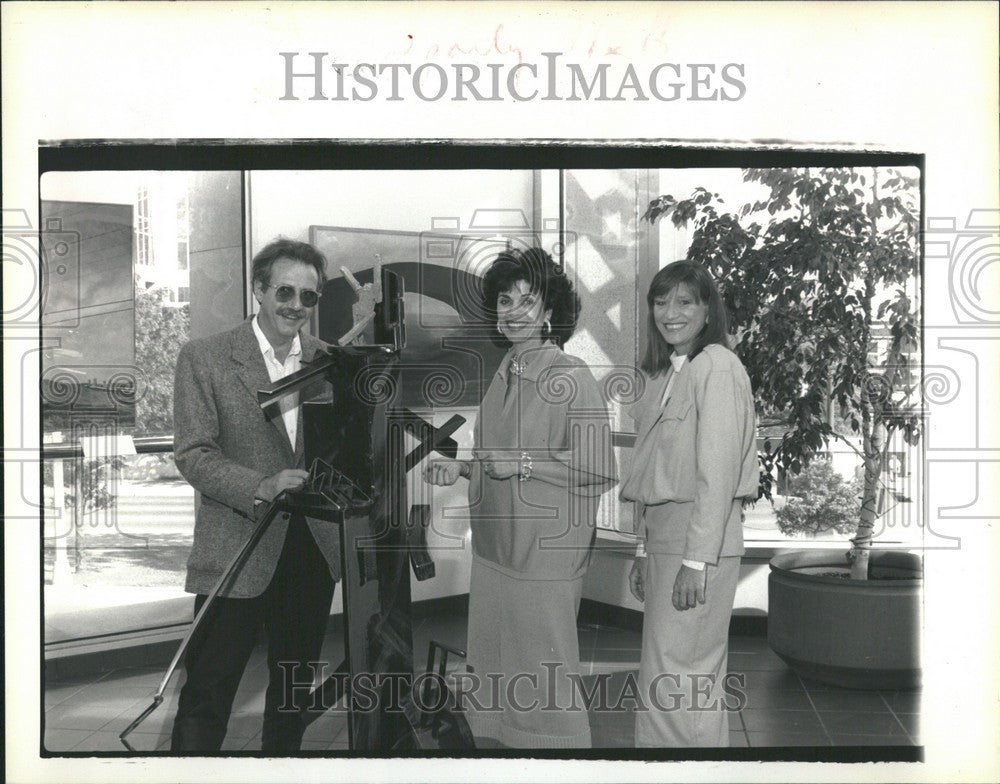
516	368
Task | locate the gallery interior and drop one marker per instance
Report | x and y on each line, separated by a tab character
137	262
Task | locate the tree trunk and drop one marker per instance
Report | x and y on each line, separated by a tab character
872	432
862	542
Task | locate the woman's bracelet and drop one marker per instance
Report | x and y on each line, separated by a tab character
526	466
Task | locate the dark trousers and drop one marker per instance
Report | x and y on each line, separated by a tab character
293	611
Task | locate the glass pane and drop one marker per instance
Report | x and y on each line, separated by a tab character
116	545
132	261
689	196
608	252
616	250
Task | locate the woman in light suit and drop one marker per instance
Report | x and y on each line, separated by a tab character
543	457
694	461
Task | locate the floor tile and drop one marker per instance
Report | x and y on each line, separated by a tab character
250	699
105	691
491	743
902	701
738	739
781	699
135	677
161	720
743	644
103	741
780	739
754	660
54	679
781	720
89	716
911	723
164	743
612	730
770	679
603	657
871	740
255	679
148	741
257	662
234	743
601	692
64	740
621	685
253	744
328	727
88	713
244	725
54	695
857	723
618	639
609	667
858	701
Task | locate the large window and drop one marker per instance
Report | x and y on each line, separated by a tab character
140	262
614	251
132	247
786	211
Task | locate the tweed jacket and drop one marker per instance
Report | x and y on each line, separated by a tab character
224	445
697	452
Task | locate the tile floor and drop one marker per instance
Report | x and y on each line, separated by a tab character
782	710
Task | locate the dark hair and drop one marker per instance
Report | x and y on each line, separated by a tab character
536	268
287	249
702	286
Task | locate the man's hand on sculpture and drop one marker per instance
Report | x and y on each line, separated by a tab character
286	479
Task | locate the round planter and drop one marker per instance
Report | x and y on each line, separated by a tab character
859	634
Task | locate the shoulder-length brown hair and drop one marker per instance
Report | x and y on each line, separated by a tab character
702	286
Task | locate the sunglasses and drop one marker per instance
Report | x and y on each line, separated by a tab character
307	297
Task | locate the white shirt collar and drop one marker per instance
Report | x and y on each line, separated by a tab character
267	349
677	361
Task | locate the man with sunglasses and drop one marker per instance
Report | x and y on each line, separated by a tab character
239	457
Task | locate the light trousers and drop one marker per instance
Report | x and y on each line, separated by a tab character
684	658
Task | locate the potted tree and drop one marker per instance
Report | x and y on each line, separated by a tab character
815	276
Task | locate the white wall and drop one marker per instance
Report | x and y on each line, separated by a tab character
286	203
102	187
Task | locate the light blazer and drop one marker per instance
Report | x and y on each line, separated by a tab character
699	452
543	528
224	445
